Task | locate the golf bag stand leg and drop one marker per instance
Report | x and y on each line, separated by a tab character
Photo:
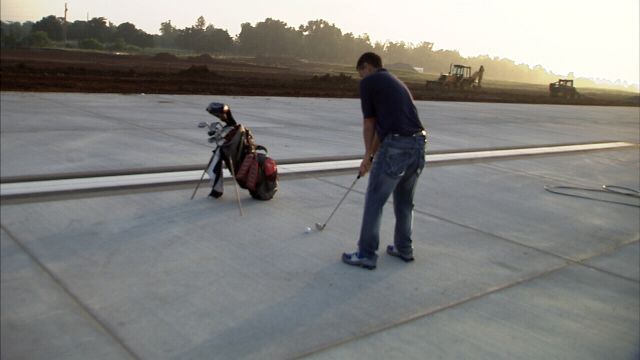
235	182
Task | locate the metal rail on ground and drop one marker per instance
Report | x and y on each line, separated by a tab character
39	185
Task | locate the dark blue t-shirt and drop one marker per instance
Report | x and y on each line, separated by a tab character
386	98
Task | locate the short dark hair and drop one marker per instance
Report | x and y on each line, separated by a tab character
370	58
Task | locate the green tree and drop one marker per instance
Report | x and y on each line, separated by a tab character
37	39
352	47
91	44
52	26
168	34
11	33
128	32
421	54
200	24
217	40
247	40
118	45
321	40
189	38
16	29
397	52
269	38
199	37
77	30
100	30
192	38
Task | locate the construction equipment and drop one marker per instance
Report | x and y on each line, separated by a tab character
563	88
459	77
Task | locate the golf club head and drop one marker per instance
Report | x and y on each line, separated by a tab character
320	227
222	112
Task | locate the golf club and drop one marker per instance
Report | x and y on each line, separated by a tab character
202	177
321	227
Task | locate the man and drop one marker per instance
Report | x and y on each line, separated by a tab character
395	138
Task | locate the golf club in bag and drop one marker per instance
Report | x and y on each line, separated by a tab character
249	164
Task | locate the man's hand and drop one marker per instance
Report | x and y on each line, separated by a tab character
365	165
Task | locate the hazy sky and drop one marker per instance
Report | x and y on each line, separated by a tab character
591	38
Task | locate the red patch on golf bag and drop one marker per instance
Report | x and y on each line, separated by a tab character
247	176
270	168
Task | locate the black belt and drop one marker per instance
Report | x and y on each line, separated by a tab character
419	133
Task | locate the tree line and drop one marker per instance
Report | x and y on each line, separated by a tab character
318	40
97	33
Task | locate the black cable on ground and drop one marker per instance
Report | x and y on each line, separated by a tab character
604	189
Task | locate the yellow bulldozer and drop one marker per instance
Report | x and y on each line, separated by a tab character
459	77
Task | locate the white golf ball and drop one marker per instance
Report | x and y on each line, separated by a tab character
307	230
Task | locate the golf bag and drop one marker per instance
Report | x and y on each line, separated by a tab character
249	163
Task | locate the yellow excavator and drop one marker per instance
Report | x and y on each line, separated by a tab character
459	77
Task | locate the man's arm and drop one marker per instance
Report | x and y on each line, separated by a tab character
371	144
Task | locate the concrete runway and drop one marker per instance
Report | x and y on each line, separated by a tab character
504	269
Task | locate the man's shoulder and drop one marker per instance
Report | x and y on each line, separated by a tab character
380	76
382	73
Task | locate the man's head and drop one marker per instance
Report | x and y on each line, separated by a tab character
368	63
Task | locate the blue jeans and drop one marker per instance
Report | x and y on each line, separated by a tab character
396	168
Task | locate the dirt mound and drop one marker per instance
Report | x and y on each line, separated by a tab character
401	66
341	78
204	58
196	70
634	100
164	57
282	61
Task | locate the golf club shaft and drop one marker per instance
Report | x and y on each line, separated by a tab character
202	177
341	200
